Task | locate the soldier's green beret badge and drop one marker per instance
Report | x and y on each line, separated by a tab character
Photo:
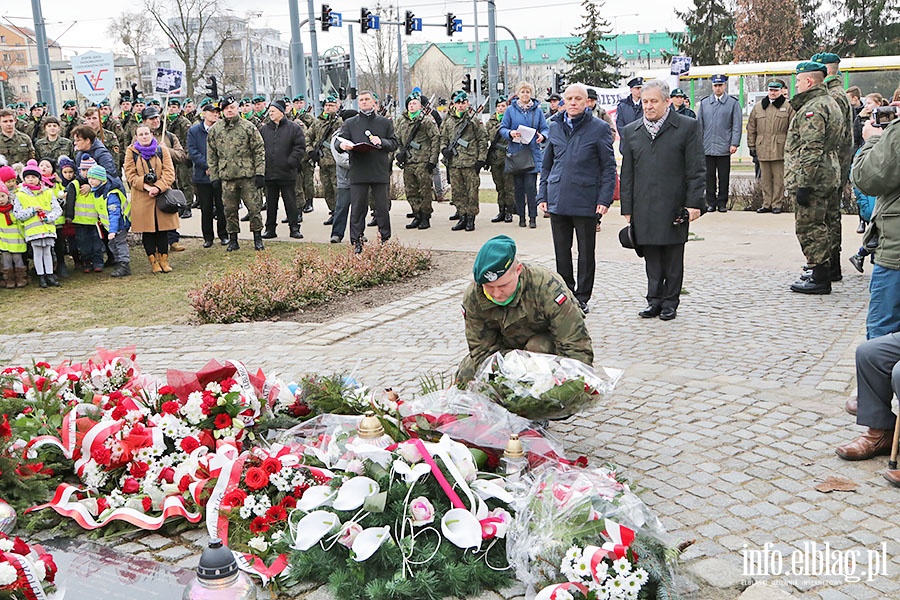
494	259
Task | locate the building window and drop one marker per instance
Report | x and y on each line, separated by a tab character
2	39
7	58
165	64
24	89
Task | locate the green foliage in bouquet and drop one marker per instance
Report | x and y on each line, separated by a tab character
447	571
557	402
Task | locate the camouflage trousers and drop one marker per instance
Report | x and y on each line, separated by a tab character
465	184
183	182
812	228
306	189
419	186
233	192
328	177
503	181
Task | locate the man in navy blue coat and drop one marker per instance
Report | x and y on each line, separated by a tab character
578	178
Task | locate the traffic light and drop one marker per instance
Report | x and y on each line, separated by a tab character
326	17
409	22
467	83
353	93
560	82
451	26
342	93
212	88
364	15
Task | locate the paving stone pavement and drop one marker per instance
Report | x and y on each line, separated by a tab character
726	418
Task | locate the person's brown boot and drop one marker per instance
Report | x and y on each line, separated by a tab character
893	477
850	405
874	442
164	263
154	264
9	275
21	277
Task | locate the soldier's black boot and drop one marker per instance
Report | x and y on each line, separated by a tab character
308	207
470	223
460	224
270	234
295	233
835	271
425	221
501	216
414	224
819	283
232	243
455	216
257	241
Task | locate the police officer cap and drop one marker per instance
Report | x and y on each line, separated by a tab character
174	102
259	98
677	92
811	66
592	94
299	97
827	58
149	112
494	259
459	96
774	84
227	101
413	96
719	79
636	82
556	97
68	103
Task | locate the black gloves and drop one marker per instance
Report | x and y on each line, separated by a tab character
803	197
479	165
313	156
753	152
259	181
487	167
448	154
430	167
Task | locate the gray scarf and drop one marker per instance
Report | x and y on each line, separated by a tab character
654	126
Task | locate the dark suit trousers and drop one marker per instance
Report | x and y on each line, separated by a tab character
288	190
717	166
585	229
359	206
877	380
665	274
210	198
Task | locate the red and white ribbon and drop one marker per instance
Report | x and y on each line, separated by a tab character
551	592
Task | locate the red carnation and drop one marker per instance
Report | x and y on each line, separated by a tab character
102	505
139	469
130	486
10	393
20	547
234	498
256	478
227	384
259	525
42	384
118	413
147	503
49	567
298	409
102	455
139	429
184	483
166	390
5	429
170	408
189	444
289	502
206	439
222	421
271	465
116	395
276	513
42	365
300	489
167	475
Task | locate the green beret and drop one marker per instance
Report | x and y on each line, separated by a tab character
21	105
494	259
828	58
188	100
205	101
68	103
139	100
174	102
299	97
811	66
502	98
815	57
459	96
259	98
154	102
244	101
331	98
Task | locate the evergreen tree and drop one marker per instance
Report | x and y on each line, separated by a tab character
589	62
709	32
871	28
816	34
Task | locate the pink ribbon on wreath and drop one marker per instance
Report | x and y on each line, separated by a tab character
552	592
435	470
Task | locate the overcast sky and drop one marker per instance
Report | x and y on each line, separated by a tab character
80	29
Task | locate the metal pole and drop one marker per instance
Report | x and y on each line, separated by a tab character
401	92
48	94
477	82
353	81
298	66
252	61
314	48
506	69
3	94
493	67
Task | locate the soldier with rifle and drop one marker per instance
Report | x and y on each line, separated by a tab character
496	162
317	151
418	156
464	144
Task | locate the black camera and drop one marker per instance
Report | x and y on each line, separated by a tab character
884	115
150	178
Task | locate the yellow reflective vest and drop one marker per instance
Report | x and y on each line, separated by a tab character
12	236
33	226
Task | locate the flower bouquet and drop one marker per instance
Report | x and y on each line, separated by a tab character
542	386
26	572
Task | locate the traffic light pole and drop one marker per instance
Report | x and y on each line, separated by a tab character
503	27
298	64
48	94
314	48
401	92
353	83
493	67
477	85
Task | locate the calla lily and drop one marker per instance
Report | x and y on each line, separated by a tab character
461	528
316	496
368	541
488	489
312	528
411	474
353	493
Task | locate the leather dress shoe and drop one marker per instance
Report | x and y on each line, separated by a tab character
763	209
722	209
776	211
650	312
710	208
893	477
667	314
207	243
874	442
850	405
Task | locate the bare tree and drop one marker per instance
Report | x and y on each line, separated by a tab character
380	50
196	30
128	29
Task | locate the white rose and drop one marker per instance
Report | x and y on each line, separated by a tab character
6	544
410	453
7	574
259	543
421	511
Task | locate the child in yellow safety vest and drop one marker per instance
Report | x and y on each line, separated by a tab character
12	243
81	209
65	231
115	215
37	209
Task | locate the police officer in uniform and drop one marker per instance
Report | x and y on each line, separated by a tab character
496	162
812	171
464	145
318	150
678	104
236	156
513	306
418	156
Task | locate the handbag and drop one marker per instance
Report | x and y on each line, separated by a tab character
521	161
171	201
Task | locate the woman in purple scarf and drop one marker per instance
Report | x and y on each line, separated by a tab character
150	172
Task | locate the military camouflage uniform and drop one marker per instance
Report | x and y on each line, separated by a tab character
496	159
179	128
31	127
129	121
44	148
235	155
16	149
67	124
543	317
811	161
306	189
111	142
317	140
845	158
472	148
422	151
